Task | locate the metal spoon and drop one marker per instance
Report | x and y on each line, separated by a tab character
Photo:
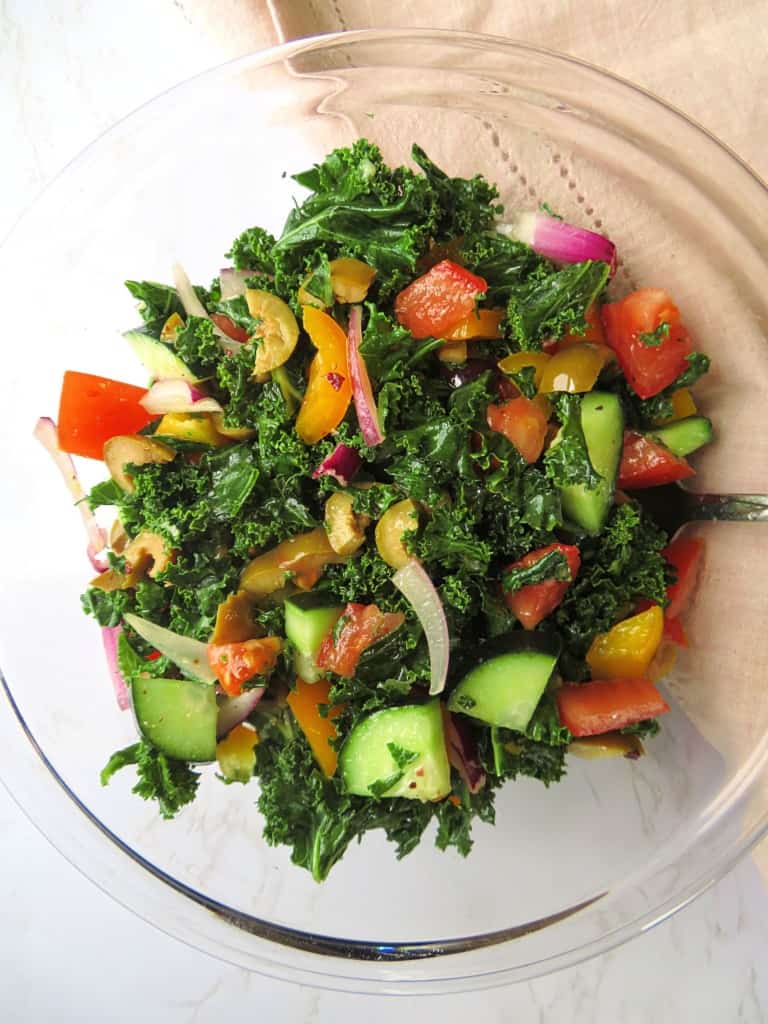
672	506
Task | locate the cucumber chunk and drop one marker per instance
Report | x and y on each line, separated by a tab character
178	716
308	620
398	752
684	436
506	685
602	421
159	358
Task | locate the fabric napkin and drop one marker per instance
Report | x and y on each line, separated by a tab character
707	59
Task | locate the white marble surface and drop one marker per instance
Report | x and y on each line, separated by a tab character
68	69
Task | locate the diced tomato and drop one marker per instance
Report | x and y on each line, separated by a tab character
230	328
235	664
523	423
92	409
648	367
685	555
360	626
533	603
646	463
435	302
588	709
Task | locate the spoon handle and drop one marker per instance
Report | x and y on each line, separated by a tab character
746	508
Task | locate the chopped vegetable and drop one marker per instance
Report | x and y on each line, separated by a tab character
558	240
627	650
240	663
439	300
93	409
305	701
413	581
536	584
601	706
365	404
360	626
329	389
648	463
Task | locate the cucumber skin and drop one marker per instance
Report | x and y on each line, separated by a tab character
306	625
683	437
178	716
365	758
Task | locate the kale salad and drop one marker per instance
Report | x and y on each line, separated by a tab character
379	546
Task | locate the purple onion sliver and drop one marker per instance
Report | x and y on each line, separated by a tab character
558	240
462	752
234	710
341	464
110	636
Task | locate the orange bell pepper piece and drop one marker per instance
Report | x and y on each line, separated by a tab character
515	362
304	702
329	389
626	651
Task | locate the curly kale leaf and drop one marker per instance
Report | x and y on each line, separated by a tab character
360	207
503	262
545	306
567	460
619	567
467	205
173	784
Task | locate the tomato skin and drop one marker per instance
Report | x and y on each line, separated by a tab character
523	424
646	463
360	626
675	632
235	664
685	555
437	301
534	602
230	328
588	709
93	409
647	369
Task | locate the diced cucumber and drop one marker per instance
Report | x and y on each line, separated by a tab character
159	358
398	752
178	716
191	656
308	620
508	682
684	436
602	421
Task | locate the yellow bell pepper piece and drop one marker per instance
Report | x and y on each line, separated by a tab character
350	279
304	702
485	323
329	389
236	754
626	651
575	369
191	426
682	405
518	360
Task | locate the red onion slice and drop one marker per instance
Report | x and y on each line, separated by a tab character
342	464
365	404
194	307
558	240
462	751
46	433
177	396
419	589
110	636
188	654
234	710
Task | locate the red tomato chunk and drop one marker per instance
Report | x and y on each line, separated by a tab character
435	302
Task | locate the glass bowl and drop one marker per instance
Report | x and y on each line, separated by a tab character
566	873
